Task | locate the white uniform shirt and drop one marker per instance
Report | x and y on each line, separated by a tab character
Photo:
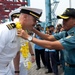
9	45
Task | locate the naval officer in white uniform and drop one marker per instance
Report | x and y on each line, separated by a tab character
9	41
18	65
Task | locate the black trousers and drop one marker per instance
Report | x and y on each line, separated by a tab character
47	59
54	62
51	62
40	54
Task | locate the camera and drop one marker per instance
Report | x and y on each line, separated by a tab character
38	27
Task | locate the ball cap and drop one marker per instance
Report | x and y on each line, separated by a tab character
35	12
15	13
69	12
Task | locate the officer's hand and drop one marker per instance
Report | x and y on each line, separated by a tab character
22	33
32	59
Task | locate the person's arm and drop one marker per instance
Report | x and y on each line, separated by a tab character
16	63
31	52
44	36
48	44
44	43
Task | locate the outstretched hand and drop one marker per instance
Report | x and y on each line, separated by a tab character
22	33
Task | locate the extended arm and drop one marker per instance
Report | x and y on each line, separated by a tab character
44	36
44	43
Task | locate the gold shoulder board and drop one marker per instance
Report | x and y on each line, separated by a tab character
11	26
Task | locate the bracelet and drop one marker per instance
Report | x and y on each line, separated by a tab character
17	71
32	54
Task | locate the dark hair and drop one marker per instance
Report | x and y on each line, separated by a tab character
50	26
38	27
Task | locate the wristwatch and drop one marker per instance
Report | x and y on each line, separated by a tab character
30	38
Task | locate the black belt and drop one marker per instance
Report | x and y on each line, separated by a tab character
70	65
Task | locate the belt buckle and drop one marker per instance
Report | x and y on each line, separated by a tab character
66	64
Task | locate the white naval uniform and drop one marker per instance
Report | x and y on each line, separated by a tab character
23	69
9	46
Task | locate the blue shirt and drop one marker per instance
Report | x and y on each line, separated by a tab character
68	43
37	46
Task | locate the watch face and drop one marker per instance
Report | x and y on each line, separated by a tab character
29	38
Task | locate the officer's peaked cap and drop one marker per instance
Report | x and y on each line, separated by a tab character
14	13
69	12
35	12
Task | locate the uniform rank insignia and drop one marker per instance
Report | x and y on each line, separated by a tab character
68	36
11	26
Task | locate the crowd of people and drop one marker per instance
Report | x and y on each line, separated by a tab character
51	58
63	41
15	42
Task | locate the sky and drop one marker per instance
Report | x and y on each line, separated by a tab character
62	5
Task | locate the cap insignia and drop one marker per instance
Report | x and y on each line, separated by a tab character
34	15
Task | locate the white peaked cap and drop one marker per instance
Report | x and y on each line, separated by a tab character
35	12
16	11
